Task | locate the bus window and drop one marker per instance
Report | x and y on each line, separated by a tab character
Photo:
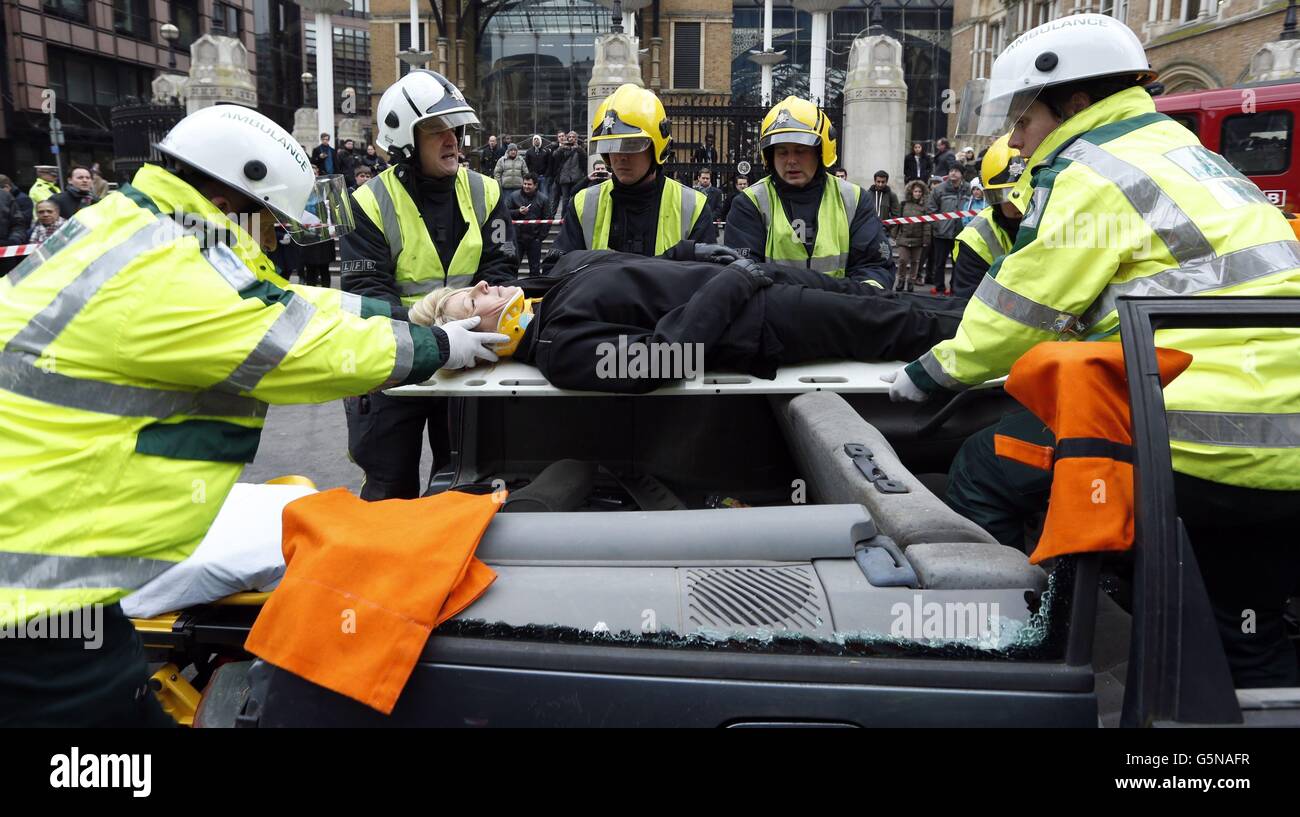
1257	144
1187	120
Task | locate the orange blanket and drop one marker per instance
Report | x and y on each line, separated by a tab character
366	584
1080	391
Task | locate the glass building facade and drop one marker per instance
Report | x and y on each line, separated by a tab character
535	61
923	27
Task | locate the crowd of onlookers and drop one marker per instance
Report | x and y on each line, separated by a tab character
538	181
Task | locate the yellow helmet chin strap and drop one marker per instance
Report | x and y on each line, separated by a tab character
514	320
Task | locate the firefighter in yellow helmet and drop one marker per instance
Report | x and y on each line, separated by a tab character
990	235
802	217
638	209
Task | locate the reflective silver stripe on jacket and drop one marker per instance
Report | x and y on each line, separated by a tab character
590	200
688	211
1185	241
387	216
827	264
405	355
351	303
763	199
1222	272
1238	430
1021	309
21	374
71	230
52	571
849	199
477	198
931	365
1034	211
46	324
427	285
273	347
987	232
223	259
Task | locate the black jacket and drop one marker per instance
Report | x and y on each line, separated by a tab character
26	211
488	156
943	162
539	207
917	167
368	268
604	297
538	159
11	221
70	201
870	256
633	224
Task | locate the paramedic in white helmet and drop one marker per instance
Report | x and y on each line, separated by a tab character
423	223
141	346
1171	218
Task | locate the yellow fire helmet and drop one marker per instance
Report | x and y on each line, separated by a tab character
798	121
1000	173
514	320
630	120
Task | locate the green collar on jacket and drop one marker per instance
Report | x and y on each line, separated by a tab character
178	200
1126	104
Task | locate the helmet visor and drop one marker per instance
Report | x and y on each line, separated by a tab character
1005	101
789	138
997	195
437	123
627	144
328	214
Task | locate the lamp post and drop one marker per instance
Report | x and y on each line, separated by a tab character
1288	25
171	34
324	59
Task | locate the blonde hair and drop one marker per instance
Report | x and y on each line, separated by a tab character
438	300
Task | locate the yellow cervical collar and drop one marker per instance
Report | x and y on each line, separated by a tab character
514	320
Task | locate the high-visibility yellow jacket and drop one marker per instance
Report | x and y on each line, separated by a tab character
1127	201
138	357
419	268
679	210
42	190
785	244
985	237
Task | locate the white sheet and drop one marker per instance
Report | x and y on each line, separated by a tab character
241	552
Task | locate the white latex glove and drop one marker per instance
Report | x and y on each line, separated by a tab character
903	390
467	347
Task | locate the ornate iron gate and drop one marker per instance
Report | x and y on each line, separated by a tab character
735	131
137	127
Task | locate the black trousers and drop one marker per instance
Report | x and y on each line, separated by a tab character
940	252
815	316
1244	541
385	438
59	682
315	275
532	248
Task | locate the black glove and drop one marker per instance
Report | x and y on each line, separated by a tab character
752	272
715	253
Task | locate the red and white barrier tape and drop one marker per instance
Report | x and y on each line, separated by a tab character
934	217
18	249
888	221
24	249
